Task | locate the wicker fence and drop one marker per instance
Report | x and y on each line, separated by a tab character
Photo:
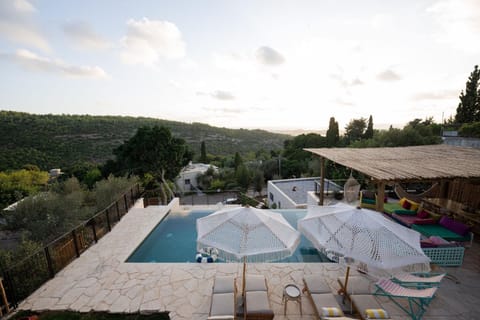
26	276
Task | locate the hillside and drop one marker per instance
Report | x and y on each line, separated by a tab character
57	141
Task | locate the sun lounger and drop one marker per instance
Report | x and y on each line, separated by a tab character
222	306
419	280
322	298
257	305
359	293
418	299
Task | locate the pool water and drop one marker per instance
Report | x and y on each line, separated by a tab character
174	240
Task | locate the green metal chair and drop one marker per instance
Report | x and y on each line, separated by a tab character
418	299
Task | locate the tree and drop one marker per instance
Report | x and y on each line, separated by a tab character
238	161
333	136
355	129
203	153
242	175
153	150
468	109
258	181
369	132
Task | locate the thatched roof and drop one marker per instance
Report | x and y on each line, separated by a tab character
430	162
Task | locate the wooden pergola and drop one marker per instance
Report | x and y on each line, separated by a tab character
441	163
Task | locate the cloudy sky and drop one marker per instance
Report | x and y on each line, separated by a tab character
239	64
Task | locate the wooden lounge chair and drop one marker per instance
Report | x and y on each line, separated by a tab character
321	296
257	306
224	292
418	299
418	280
359	293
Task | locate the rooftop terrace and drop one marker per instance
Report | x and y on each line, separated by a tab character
100	280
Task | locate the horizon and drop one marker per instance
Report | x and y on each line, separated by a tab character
273	65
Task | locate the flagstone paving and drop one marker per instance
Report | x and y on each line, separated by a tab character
101	280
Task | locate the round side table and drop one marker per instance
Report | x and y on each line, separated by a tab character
292	293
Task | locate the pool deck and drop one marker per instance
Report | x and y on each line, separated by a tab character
100	280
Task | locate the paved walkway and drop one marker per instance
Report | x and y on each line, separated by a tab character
100	280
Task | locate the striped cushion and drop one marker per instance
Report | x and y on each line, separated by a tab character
331	312
376	314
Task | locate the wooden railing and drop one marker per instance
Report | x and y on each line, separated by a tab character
22	279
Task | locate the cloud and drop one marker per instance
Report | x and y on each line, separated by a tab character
23	6
222	95
439	95
268	56
17	25
32	62
343	102
148	41
346	83
225	110
459	22
388	75
84	36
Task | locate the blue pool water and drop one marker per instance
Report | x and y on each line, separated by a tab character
174	240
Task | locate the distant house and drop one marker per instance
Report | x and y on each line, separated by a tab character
187	179
54	174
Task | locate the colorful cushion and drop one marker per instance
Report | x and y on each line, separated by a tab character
413	205
331	312
422	214
369	201
424	221
438	230
454	226
406	204
405	212
402	201
376	314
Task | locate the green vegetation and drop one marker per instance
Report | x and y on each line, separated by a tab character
470	130
49	214
64	141
16	185
468	109
70	315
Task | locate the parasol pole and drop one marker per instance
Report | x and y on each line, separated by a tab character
346	279
244	277
243	286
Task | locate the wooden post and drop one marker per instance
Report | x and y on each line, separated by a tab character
4	298
75	243
108	220
51	271
443	189
322	179
118	210
125	202
380	195
94	231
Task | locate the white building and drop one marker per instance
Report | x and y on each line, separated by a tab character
294	193
187	178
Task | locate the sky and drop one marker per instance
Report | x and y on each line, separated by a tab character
269	64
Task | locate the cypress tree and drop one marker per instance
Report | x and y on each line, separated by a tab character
369	131
468	109
333	135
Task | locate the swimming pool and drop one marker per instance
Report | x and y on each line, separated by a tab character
174	240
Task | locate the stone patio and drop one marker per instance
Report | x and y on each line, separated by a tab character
100	280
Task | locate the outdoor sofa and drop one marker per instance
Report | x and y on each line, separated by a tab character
446	228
